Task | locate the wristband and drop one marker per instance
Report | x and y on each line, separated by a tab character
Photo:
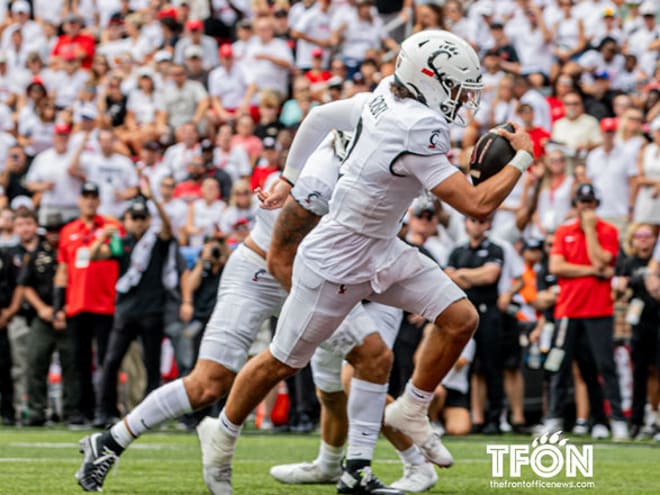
59	296
522	160
287	181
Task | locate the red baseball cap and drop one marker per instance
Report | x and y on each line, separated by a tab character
69	54
62	129
226	50
171	12
608	124
317	52
194	25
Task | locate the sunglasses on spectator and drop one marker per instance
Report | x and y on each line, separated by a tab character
643	235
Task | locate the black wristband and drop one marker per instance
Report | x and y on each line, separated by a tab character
59	297
287	181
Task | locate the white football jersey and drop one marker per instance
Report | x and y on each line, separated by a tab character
377	184
262	232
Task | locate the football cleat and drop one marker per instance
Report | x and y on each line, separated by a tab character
217	452
416	478
303	473
98	458
364	482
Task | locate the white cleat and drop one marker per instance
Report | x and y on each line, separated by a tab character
414	422
304	473
217	453
619	430
600	432
416	478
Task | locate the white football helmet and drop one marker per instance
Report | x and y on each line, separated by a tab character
442	71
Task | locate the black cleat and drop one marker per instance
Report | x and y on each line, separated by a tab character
98	458
364	482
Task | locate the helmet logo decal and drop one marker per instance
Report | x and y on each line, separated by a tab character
428	72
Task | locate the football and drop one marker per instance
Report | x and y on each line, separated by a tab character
490	154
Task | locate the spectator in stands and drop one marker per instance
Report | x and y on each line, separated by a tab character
85	290
7	235
232	158
269	59
22	23
554	201
241	206
176	208
582	258
191	189
36	132
562	85
205	214
114	173
267	164
567	35
230	89
245	137
539	136
12	177
147	268
613	174
312	31
184	100
640	41
194	66
647	202
268	124
578	131
180	154
194	36
295	109
427	16
146	118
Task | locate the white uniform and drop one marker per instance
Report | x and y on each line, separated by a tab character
398	150
312	191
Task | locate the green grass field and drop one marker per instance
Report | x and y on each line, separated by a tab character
43	461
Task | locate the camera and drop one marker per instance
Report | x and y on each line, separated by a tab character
215	252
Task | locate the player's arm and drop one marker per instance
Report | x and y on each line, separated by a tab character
291	226
482	200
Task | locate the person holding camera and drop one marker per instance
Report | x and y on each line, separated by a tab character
147	269
582	258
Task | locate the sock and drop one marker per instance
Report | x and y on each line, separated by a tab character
418	396
108	440
167	402
121	435
329	458
411	456
365	413
230	428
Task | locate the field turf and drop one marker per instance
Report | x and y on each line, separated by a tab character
43	461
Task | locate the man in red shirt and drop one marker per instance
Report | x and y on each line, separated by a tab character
583	256
85	293
538	134
83	44
267	164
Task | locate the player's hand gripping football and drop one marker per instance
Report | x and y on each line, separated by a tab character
275	197
519	139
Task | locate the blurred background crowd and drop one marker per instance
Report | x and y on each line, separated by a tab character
107	104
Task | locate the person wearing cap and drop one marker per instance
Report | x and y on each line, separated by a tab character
317	75
148	269
312	33
647	202
66	83
74	39
233	160
190	189
509	61
194	36
230	89
51	176
48	331
85	290
268	163
641	42
195	68
583	258
87	130
184	100
30	30
269	59
613	173
115	173
176	208
578	131
205	213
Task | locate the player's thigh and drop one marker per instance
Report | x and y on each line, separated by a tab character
312	312
387	320
247	296
427	293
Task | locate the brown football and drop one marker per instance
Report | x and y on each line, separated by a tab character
491	153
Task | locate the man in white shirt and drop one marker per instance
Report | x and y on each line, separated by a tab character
232	159
640	41
526	94
612	172
177	156
51	175
578	131
195	36
229	87
32	32
312	30
268	59
185	100
114	173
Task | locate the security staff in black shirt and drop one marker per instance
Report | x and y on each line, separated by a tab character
147	268
7	285
48	332
476	267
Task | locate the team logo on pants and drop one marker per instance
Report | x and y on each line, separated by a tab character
259	272
342	289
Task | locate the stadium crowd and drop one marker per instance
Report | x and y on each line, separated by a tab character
123	117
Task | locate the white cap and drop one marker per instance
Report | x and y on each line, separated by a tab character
21	202
193	51
88	112
485	8
145	71
20	6
162	56
648	8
